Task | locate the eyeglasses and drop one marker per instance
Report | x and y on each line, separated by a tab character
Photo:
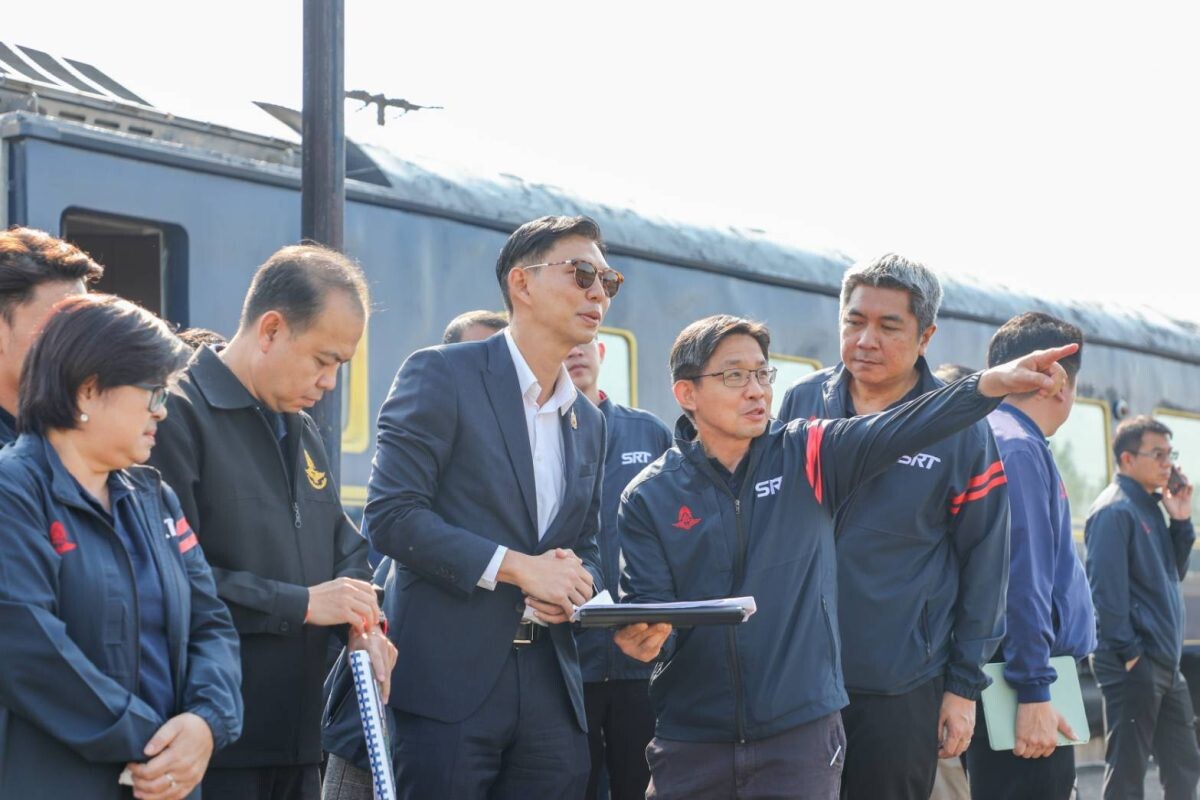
737	378
158	395
1161	456
585	275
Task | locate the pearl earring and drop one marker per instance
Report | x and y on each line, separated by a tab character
83	417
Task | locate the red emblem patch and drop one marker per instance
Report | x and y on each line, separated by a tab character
59	540
686	521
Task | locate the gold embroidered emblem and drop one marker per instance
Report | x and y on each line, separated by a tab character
316	479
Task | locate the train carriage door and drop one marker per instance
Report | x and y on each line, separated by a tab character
144	261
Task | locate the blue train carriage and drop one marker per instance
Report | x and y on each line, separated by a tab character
182	211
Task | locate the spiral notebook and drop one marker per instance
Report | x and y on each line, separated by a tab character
375	732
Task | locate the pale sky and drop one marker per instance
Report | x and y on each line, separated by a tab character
1050	146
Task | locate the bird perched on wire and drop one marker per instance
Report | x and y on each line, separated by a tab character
383	102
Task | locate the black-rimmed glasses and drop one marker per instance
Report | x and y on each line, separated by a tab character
586	272
737	378
158	395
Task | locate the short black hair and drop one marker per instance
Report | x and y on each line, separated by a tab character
1031	331
458	326
1128	436
29	258
295	282
535	238
196	338
97	336
696	343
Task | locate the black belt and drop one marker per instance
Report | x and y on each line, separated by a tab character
527	633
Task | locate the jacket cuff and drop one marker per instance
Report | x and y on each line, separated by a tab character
1033	692
220	733
291	610
966	691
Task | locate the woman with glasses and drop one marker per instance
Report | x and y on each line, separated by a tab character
120	666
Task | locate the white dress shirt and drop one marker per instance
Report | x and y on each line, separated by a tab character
545	444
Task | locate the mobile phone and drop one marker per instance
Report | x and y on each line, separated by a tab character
1176	482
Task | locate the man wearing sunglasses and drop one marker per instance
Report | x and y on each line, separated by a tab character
1135	563
743	507
485	490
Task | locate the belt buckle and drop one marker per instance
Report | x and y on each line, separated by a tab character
526	634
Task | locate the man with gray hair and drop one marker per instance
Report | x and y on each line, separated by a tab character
922	547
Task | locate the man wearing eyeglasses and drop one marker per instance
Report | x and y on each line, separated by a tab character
742	507
1136	561
485	490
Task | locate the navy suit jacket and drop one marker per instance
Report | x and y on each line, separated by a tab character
452	479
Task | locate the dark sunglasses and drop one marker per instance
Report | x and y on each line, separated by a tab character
585	275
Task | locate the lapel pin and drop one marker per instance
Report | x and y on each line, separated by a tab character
574	420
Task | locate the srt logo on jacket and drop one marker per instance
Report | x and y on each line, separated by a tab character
636	457
768	487
922	460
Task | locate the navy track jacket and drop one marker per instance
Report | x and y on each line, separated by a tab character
70	714
687	538
1049	603
635	439
1135	563
922	554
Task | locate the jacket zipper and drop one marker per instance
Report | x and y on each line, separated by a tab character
739	693
283	464
137	610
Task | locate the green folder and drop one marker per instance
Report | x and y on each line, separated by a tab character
1000	704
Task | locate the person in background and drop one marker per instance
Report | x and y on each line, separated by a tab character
1136	561
1049	609
922	548
474	326
118	653
615	687
743	506
252	476
36	271
485	491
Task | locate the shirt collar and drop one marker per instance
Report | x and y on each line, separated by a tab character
564	389
1025	421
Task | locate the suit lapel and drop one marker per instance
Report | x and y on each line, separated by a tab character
505	396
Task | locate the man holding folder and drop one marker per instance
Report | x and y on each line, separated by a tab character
1049	611
740	507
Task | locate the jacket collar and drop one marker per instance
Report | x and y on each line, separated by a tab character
220	387
836	388
1025	421
63	486
1146	500
8	427
688	442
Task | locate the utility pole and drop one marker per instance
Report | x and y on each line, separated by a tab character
323	167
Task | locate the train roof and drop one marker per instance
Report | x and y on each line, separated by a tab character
502	202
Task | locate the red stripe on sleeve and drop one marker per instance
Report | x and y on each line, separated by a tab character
187	542
956	504
812	455
181	526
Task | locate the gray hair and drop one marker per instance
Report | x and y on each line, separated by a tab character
894	271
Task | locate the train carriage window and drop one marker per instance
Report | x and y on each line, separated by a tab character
1185	437
144	261
1082	451
791	369
618	376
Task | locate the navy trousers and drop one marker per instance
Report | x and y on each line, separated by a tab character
523	742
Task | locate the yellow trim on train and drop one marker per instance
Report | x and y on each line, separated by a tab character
356	433
630	340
